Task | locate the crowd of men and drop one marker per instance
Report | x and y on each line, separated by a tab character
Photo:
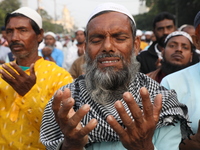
112	87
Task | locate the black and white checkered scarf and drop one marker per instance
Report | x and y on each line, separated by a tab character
172	111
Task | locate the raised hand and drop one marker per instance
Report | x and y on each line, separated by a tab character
19	80
138	134
192	143
75	136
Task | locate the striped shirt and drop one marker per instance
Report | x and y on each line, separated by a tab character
172	111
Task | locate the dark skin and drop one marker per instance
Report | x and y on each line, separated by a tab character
1	61
23	42
80	37
137	135
21	82
46	52
193	143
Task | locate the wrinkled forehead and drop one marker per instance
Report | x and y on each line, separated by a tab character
100	20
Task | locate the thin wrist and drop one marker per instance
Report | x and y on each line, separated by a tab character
65	146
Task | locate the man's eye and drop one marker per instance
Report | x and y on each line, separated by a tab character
23	30
8	31
171	46
121	39
95	40
185	47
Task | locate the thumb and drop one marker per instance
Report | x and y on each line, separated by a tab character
32	70
198	131
157	106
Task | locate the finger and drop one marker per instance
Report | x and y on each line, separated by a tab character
18	69
56	101
147	105
126	119
32	71
198	131
116	126
59	97
8	72
134	108
67	102
157	106
88	128
77	117
7	77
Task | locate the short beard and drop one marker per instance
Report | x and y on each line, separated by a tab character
161	40
169	68
108	85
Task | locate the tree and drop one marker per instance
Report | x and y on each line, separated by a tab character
47	23
7	6
184	11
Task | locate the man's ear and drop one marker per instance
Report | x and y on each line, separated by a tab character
40	36
191	57
196	41
137	44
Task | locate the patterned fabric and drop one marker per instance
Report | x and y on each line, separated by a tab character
172	111
21	116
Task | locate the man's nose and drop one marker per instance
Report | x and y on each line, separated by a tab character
15	36
107	45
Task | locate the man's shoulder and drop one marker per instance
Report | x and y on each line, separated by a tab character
5	49
57	50
142	80
186	72
147	54
46	64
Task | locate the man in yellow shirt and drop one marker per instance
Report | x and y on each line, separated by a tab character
26	84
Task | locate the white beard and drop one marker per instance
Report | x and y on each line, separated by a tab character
109	84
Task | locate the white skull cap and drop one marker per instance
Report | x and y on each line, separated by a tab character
51	34
80	29
30	13
178	33
111	7
139	32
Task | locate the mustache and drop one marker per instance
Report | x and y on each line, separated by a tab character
15	44
175	54
109	55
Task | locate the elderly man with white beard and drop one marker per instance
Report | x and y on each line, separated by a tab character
113	106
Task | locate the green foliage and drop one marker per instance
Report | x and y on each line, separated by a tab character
56	28
184	11
7	6
45	16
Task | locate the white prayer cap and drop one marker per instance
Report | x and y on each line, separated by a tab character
80	29
30	13
148	33
139	32
178	33
111	7
182	27
50	33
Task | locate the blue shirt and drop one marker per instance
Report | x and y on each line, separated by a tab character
186	83
165	138
58	56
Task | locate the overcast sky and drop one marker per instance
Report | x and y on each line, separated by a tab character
80	9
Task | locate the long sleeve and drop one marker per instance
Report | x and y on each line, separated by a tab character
21	115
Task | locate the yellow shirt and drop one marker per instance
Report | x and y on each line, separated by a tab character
20	117
143	45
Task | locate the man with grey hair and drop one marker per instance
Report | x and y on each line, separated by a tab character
113	106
